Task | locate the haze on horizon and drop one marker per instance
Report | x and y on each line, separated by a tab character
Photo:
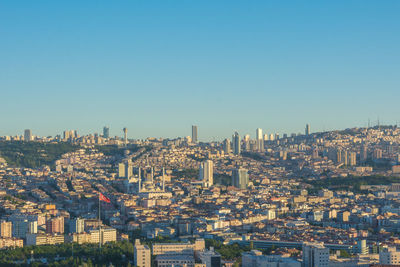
158	67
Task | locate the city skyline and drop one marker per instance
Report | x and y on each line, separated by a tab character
208	138
200	133
153	68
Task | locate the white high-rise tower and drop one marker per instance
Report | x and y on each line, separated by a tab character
206	173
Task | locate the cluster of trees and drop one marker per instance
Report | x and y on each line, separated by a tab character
33	154
114	150
188	173
222	179
352	182
116	253
228	252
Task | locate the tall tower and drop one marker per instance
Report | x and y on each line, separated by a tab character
259	140
106	132
125	135
27	135
236	143
240	178
307	130
194	133
246	140
227	146
206	173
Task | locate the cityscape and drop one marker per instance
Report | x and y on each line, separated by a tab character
212	133
309	199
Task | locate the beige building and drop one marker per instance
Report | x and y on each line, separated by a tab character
44	239
389	256
5	229
79	238
162	248
142	255
11	242
107	235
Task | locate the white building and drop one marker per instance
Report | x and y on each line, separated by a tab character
206	173
107	235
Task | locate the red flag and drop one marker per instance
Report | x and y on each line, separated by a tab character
104	198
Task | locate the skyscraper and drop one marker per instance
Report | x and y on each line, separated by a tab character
364	153
307	130
206	173
125	130
236	143
246	141
70	134
77	225
259	140
106	132
27	135
227	146
194	133
240	178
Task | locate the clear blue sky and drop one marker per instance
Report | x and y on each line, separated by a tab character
157	67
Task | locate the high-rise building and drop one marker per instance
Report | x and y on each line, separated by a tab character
259	140
55	225
271	137
236	143
77	225
194	133
227	146
246	141
315	255
240	178
5	229
364	153
142	255
345	157
128	170
339	155
70	134
32	227
259	134
27	135
106	132
206	173
353	158
121	170
125	130
19	227
362	247
307	130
